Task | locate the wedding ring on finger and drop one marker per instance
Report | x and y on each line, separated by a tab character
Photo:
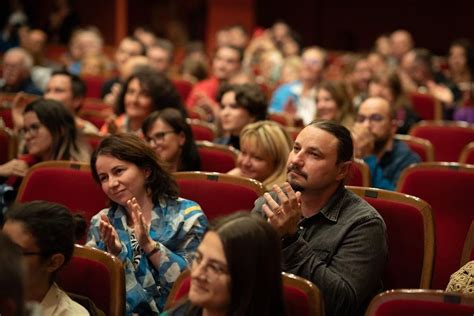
278	211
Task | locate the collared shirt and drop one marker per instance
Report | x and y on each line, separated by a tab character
58	303
178	227
386	172
342	249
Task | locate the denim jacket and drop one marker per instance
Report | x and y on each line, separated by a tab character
342	249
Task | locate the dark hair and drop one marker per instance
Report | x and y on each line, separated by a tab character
60	123
239	51
468	50
248	96
253	252
190	159
345	147
339	94
12	274
136	40
78	86
392	81
52	225
165	45
131	148
161	90
424	58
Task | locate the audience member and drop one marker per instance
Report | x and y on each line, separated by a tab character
239	106
461	67
49	133
417	74
148	227
330	236
373	133
62	21
128	47
387	85
264	147
12	278
172	139
226	63
334	104
357	76
144	91
160	55
70	90
401	42
16	77
236	270
297	99
145	35
46	233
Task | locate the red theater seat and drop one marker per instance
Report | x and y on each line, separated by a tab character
423	147
447	137
410	233
98	276
202	130
218	194
467	154
448	188
216	158
420	303
359	175
426	106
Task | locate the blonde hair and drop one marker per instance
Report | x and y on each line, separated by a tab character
274	142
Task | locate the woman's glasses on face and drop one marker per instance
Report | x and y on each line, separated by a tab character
212	268
32	129
158	137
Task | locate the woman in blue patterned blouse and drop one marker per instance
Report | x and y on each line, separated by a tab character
148	226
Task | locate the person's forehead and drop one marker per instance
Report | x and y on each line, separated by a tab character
312	53
62	80
315	137
227	52
374	106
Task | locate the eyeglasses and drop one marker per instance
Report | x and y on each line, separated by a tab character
372	118
32	129
213	268
311	61
158	137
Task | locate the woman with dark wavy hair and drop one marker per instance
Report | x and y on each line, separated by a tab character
148	226
144	91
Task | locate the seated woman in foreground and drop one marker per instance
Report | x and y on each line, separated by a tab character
236	270
148	227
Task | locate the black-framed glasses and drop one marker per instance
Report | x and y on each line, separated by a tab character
158	137
372	118
213	268
32	129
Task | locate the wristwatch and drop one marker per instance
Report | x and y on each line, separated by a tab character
155	250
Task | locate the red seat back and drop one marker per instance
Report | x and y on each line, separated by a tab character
218	194
448	188
448	138
420	303
423	147
426	106
467	154
202	130
410	237
67	183
94	86
98	276
184	88
216	158
359	174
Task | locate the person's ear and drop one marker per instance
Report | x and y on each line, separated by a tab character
343	170
55	262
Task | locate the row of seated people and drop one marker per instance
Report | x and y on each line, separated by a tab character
302	175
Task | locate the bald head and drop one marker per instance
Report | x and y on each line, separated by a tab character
17	63
402	42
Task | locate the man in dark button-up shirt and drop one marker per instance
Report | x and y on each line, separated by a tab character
329	235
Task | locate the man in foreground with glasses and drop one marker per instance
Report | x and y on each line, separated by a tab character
374	142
